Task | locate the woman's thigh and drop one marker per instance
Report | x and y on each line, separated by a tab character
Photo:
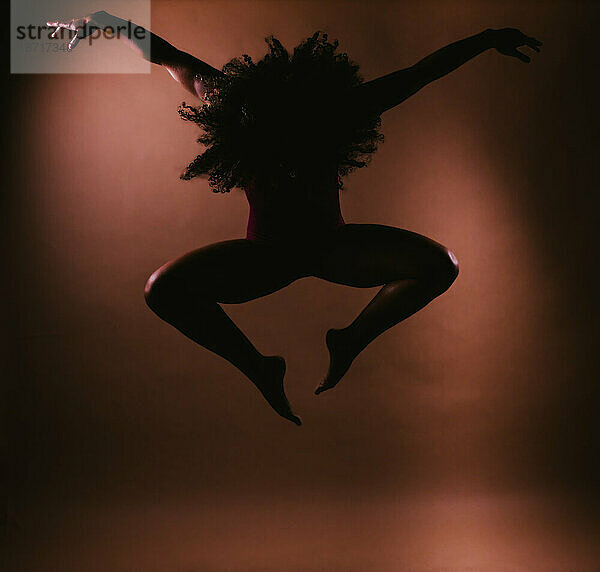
229	272
367	255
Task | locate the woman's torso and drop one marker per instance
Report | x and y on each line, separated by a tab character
302	210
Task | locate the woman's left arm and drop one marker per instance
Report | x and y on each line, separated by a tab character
389	90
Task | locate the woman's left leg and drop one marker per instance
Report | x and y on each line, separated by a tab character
413	270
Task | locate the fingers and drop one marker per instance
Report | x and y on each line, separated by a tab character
521	56
533	43
72	25
530	42
58	25
73	43
514	39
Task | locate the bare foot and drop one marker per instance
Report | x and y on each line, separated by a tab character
270	384
340	359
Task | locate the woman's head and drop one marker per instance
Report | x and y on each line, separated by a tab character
280	116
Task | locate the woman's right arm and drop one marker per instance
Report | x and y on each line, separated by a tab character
183	67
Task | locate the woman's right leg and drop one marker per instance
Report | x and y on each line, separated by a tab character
186	293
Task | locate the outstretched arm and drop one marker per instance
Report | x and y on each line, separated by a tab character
389	90
183	67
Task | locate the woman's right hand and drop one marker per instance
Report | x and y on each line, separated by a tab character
83	26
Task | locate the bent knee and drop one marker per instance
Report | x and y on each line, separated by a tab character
162	289
444	272
153	290
169	288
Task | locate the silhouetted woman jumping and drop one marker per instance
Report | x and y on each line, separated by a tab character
286	129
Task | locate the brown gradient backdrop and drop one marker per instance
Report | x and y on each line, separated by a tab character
465	437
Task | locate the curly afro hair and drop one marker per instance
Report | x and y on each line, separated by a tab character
282	118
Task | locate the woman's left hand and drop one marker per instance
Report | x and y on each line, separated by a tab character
507	40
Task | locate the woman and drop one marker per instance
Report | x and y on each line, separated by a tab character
286	129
